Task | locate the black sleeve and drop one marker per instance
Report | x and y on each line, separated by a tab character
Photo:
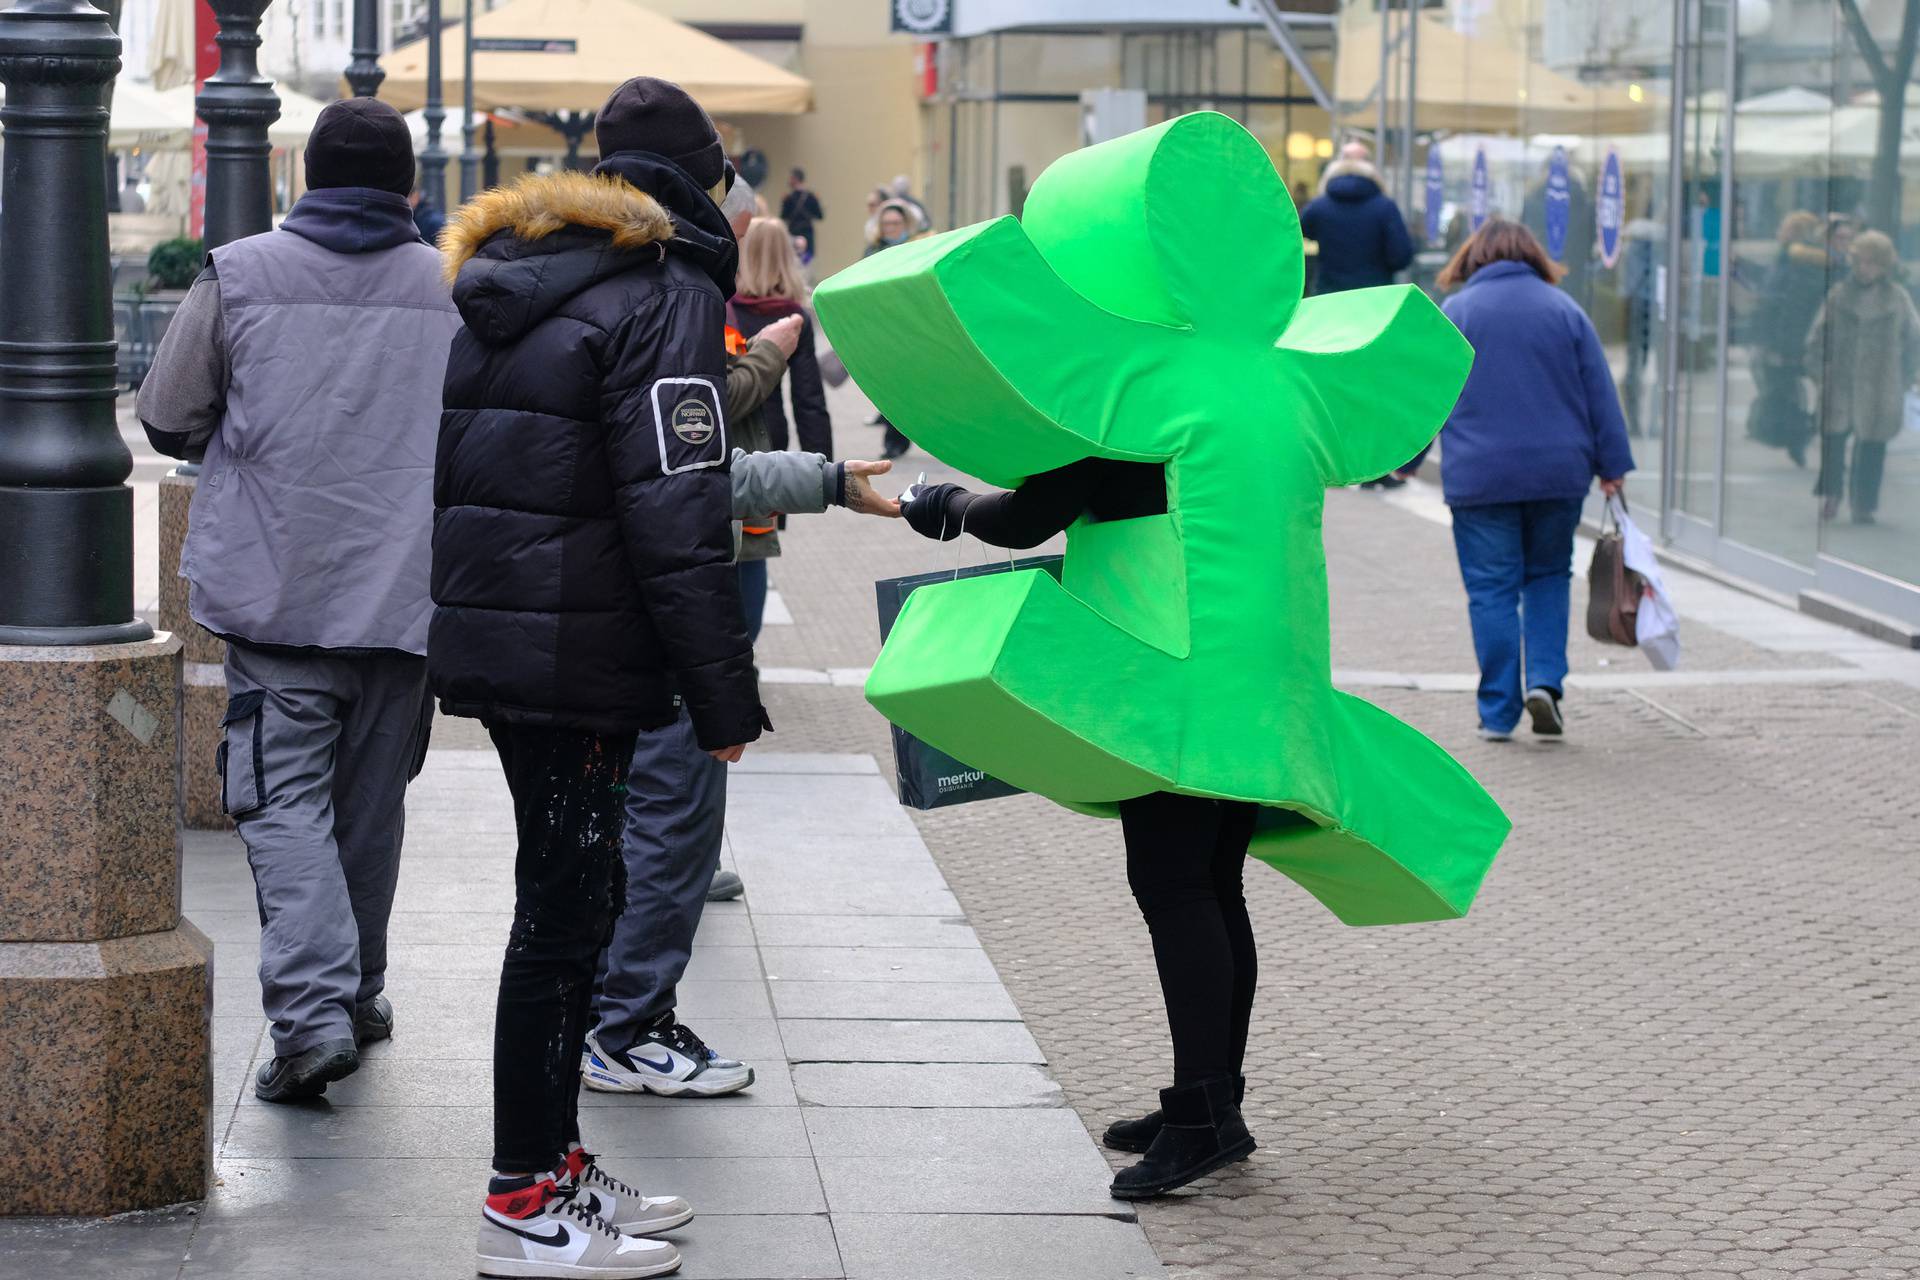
814	210
663	396
812	425
1026	517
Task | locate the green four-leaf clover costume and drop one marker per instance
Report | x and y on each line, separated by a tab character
1146	306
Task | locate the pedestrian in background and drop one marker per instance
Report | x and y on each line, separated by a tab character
892	224
1795	288
305	364
800	209
1361	236
584	584
773	286
901	189
1537	421
1864	350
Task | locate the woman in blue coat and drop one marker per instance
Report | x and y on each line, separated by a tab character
1536	423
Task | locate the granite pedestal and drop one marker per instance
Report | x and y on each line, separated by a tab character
107	993
205	685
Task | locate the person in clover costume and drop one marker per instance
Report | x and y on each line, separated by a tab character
1164	395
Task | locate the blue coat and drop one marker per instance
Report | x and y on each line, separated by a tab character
1539	417
1362	238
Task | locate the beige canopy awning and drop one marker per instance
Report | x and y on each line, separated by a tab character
162	119
1469	85
590	48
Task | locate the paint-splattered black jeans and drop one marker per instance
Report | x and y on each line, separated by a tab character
569	798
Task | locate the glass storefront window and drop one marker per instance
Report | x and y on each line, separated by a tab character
1711	200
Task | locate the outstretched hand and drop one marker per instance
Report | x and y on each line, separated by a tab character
861	495
784	334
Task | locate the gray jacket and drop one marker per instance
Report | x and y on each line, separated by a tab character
311	522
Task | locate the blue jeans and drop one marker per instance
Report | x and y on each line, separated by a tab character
676	809
1517	559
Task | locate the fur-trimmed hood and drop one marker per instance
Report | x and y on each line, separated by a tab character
540	204
518	254
1350	180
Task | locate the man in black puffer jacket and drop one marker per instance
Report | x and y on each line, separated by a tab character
583	577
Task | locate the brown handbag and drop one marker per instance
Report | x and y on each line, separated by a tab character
1613	590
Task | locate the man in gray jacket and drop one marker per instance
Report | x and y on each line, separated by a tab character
305	366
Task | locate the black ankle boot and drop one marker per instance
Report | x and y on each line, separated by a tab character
1137	1135
1200	1132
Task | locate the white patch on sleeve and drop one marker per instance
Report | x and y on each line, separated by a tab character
689	424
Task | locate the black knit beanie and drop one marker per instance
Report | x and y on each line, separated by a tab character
648	114
360	142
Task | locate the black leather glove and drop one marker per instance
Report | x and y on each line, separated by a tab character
932	513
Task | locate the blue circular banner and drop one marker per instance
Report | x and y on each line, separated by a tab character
1559	200
1478	204
1612	211
1436	191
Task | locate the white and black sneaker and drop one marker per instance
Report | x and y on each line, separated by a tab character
1543	705
536	1229
669	1060
621	1205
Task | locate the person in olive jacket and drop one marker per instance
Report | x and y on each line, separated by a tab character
583	580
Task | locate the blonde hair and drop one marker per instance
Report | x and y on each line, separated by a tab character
1800	227
1876	246
769	265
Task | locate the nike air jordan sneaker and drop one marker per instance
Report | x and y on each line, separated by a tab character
669	1060
621	1205
534	1229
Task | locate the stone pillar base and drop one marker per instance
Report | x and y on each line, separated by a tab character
106	995
206	655
201	709
108	1087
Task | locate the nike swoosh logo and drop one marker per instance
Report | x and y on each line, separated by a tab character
556	1238
665	1064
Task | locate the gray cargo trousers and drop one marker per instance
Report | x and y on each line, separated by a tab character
315	759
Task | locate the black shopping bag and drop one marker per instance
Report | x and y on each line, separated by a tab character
931	779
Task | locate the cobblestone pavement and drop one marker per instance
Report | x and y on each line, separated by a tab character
1677	1035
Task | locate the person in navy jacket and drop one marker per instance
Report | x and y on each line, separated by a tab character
1536	423
1361	236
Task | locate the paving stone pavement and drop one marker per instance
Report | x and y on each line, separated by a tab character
903	1124
1676	1036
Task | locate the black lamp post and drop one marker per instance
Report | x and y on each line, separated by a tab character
238	104
66	554
469	162
433	160
363	73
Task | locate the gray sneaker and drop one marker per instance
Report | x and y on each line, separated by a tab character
726	886
545	1231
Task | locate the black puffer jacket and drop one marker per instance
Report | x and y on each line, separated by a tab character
582	544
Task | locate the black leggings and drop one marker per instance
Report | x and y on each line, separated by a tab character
1184	857
569	800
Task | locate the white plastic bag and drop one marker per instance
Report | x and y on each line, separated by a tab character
1657	624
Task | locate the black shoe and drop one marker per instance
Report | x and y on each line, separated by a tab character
725	886
1543	705
1202	1131
306	1074
373	1021
1137	1135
